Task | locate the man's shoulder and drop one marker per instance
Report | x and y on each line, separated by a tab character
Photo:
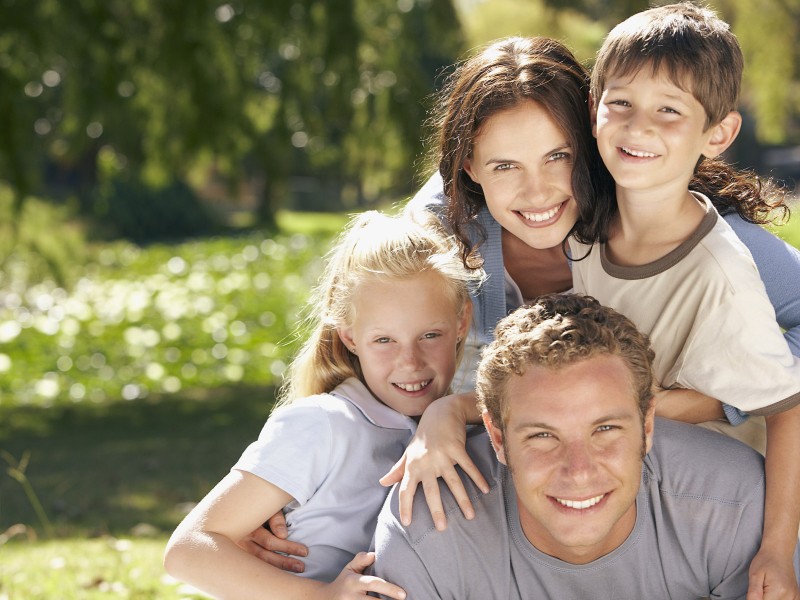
480	451
688	460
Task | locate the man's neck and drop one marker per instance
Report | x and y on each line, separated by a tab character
650	225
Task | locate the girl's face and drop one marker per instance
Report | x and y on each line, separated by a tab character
523	163
404	333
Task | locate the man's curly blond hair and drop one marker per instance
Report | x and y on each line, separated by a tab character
555	331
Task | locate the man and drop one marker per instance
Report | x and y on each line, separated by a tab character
591	497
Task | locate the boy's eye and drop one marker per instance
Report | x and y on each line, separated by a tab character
619	102
667	109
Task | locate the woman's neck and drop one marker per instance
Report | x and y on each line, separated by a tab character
535	271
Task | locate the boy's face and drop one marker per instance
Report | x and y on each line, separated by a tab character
651	133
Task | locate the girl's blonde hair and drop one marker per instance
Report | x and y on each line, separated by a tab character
373	246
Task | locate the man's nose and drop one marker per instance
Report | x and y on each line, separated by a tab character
579	461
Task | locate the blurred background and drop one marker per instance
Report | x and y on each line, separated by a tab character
171	174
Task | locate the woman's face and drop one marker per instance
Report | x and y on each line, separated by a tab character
523	162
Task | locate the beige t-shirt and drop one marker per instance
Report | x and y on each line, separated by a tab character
708	316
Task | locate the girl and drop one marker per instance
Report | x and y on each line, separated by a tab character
388	320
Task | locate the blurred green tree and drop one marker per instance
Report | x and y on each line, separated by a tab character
100	91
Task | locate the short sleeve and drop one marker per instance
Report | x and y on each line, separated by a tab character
293	451
738	356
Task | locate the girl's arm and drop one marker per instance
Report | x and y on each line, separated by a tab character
779	266
203	550
271	544
772	573
436	448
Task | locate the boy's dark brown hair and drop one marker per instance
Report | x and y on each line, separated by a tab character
688	43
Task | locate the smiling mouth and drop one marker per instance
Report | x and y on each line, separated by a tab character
539	217
580	504
637	153
414	387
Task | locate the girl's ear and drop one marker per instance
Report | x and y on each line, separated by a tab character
593	114
346	335
723	134
465	320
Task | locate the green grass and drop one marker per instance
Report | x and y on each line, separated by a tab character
791	230
115	480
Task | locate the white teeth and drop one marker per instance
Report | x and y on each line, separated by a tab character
638	153
580	504
413	387
541	216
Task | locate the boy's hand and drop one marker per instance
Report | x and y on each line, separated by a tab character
352	583
268	541
771	579
436	448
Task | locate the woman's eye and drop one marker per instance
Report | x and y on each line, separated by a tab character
503	167
560	156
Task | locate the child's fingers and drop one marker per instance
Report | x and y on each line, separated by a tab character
456	486
408	488
466	464
395	474
384	588
434	501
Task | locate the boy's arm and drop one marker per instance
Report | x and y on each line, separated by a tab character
688	406
772	573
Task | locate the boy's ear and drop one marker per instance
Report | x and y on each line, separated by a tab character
723	134
496	436
593	114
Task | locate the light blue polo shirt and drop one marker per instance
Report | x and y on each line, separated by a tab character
328	452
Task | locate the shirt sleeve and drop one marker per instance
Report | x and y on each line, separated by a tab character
743	546
779	266
397	561
293	451
752	367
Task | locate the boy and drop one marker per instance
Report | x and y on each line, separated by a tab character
665	87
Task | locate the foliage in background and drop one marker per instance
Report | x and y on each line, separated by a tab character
154	92
158	319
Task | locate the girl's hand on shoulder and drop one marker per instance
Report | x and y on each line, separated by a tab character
685	405
438	445
352	583
270	544
772	579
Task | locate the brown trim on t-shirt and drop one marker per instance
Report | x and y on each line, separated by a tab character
777	407
670	259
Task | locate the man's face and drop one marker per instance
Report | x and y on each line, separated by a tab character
574	443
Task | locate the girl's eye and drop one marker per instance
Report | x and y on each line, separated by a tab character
431	335
383	340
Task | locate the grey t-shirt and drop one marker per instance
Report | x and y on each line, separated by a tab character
699	520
